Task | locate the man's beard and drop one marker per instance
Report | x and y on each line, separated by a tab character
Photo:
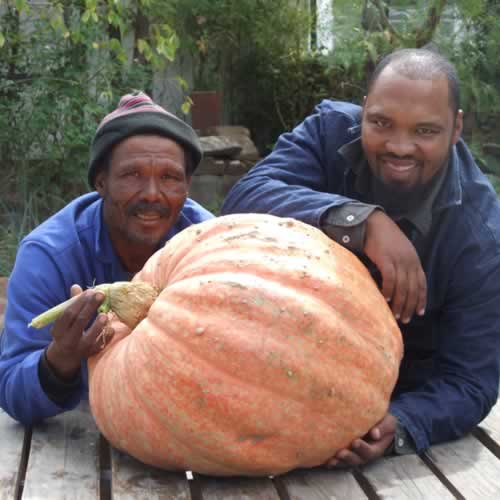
400	199
395	198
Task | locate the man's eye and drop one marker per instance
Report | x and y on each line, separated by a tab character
132	173
426	131
381	123
170	177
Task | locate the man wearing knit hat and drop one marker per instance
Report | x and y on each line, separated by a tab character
141	162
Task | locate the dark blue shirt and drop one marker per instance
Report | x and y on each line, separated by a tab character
71	247
450	373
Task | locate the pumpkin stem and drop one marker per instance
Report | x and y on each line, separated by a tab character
130	301
51	315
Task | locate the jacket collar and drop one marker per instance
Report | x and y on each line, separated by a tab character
103	248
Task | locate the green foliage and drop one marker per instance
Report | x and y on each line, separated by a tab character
63	66
222	32
274	94
255	52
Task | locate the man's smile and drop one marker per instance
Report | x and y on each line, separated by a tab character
398	167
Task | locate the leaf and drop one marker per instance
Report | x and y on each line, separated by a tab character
372	51
186	107
2	40
115	45
21	5
183	84
142	45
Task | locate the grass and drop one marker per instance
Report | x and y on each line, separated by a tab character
23	206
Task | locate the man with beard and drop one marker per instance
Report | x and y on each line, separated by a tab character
141	163
393	182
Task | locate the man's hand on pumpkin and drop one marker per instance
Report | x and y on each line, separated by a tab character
403	280
368	448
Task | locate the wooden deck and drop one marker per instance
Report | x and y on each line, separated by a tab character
66	458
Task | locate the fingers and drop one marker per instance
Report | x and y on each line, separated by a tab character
349	457
388	272
87	310
75	290
410	295
68	329
361	452
387	426
96	336
400	295
403	279
404	285
422	292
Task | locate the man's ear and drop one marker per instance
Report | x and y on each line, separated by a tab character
458	127
363	108
100	181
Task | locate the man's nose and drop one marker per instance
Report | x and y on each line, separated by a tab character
151	189
400	144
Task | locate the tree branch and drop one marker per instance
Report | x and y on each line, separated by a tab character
424	35
384	19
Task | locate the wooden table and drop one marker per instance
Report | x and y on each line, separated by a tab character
66	458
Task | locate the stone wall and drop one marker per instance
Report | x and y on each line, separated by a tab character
229	153
213	179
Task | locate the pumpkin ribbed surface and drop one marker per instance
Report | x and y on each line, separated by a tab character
268	348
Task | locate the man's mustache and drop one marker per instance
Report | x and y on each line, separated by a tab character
146	207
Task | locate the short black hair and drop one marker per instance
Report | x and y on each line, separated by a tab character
425	63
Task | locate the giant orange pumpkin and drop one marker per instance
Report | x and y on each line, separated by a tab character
269	348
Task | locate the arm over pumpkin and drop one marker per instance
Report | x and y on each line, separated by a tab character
300	177
464	384
36	284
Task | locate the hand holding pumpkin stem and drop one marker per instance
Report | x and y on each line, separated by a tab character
71	343
130	301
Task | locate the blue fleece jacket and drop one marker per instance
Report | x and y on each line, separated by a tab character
72	246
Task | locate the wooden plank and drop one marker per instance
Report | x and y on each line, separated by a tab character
321	484
64	460
132	480
404	477
491	424
12	435
469	466
236	488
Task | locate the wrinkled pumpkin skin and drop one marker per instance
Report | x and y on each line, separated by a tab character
269	348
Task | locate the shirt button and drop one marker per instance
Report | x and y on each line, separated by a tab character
350	218
401	442
345	239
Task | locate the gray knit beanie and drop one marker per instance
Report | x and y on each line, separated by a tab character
138	114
